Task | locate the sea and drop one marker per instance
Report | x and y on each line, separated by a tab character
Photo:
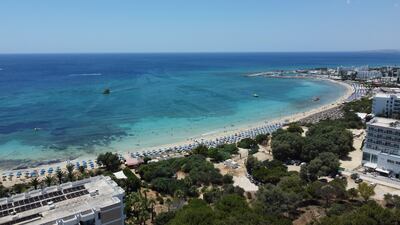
52	106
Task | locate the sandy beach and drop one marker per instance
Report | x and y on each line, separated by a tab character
212	135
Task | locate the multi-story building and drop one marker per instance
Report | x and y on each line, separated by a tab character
386	104
368	74
93	201
382	145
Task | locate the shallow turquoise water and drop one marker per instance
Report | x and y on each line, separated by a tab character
52	106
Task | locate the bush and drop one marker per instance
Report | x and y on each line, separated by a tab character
266	171
201	150
295	128
247	143
262	139
132	183
227	179
163	218
168	185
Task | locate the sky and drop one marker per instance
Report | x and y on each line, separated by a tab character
85	26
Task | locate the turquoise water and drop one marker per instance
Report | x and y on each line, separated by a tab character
52	106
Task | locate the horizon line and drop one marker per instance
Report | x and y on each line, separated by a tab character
200	52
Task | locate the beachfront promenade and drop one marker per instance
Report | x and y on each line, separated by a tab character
358	91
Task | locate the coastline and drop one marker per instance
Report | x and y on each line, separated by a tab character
216	133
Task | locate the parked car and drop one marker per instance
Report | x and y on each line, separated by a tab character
354	176
358	180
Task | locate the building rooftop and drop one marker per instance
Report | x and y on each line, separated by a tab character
60	202
385	122
395	92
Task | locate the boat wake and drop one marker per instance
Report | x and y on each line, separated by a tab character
85	74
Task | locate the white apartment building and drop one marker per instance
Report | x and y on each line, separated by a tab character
93	201
381	149
386	104
366	75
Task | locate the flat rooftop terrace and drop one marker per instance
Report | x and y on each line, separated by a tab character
385	122
60	202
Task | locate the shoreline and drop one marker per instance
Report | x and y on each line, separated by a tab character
212	135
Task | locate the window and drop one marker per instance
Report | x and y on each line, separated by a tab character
374	158
89	222
366	156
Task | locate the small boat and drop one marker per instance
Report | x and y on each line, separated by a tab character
255	95
106	91
315	99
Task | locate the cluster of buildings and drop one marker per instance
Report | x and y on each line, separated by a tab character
93	201
385	74
381	150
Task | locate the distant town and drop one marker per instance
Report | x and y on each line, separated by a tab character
383	75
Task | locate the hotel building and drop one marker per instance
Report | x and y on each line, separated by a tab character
382	146
93	201
386	104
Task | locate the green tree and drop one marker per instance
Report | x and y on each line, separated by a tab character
292	183
4	192
327	192
262	139
327	137
137	207
60	176
82	170
35	182
365	190
295	128
49	180
217	155
368	214
273	200
353	193
70	172
286	145
326	164
247	143
163	218
111	161
132	183
197	212
200	150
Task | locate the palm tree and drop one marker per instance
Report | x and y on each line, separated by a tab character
152	203
137	206
60	176
35	182
49	180
179	198
169	203
70	170
82	170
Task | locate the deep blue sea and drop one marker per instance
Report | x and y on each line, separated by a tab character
52	106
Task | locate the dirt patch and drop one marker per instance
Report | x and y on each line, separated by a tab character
310	214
